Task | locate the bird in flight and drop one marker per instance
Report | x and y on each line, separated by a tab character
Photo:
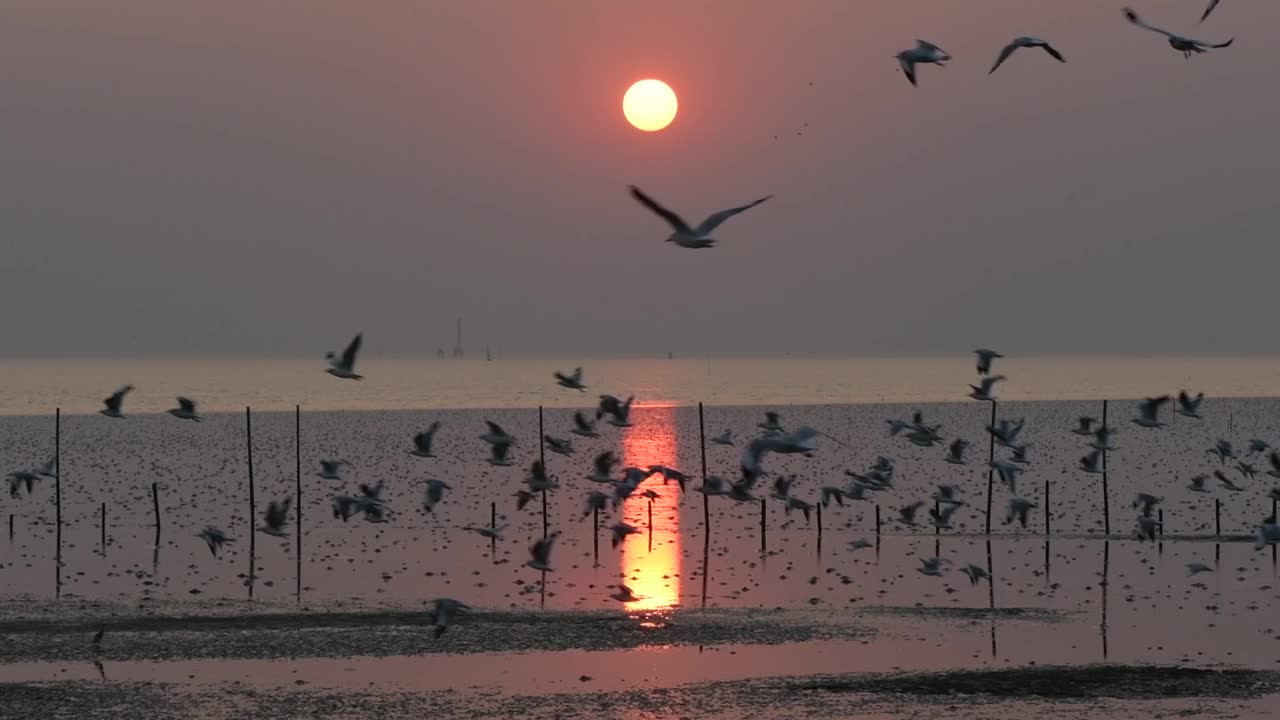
923	52
1185	45
1025	42
186	410
1212	4
423	441
345	367
276	517
684	235
115	403
214	538
1149	412
982	391
573	382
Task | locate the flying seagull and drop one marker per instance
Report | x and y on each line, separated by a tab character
1189	406
115	403
559	446
434	494
573	382
1085	426
1149	412
984	360
1185	45
724	438
331	469
923	52
540	553
186	410
688	237
955	452
584	426
443	613
423	441
345	367
214	538
624	594
619	411
982	391
1025	42
276	517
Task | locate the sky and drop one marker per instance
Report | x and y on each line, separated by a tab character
269	178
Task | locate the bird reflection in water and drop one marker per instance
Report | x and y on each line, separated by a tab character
651	565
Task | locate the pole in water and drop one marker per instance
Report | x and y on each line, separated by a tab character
877	531
650	524
706	506
991	457
764	528
542	456
297	444
103	522
253	541
595	535
57	495
1106	487
493	523
155	508
819	509
10	527
1217	517
1047	515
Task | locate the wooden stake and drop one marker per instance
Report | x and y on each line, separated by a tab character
1106	487
253	540
155	508
991	472
297	444
542	455
57	498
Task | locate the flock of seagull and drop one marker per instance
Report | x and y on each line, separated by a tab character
619	484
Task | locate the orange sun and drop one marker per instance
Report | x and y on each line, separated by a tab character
650	105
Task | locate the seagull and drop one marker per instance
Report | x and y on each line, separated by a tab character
923	52
1085	426
115	403
186	410
1197	484
49	469
1019	507
522	498
1092	463
803	440
331	469
1146	503
982	391
831	492
596	502
214	538
442	614
423	441
621	411
794	503
584	426
1025	42
860	543
541	553
19	478
1274	458
924	438
344	506
1225	482
1020	454
1184	45
604	464
345	367
1189	406
1149	412
624	594
724	438
669	474
559	446
1006	433
538	480
1196	568
689	237
277	515
931	566
620	532
573	382
1222	450
1268	534
496	435
499	455
1246	469
941	515
897	426
1257	446
955	452
434	494
907	513
986	356
1008	473
975	573
947	495
1147	527
1212	4
1102	439
712	485
772	422
96	642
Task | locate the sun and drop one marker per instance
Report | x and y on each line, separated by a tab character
650	105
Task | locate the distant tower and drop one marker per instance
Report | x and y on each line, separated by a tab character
457	346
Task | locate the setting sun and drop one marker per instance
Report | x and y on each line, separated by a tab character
649	105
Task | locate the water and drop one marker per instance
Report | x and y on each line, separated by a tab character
34	386
713	606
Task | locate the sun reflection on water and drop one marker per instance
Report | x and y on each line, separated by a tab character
651	565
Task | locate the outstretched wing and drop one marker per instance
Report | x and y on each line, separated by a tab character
908	69
713	221
1132	17
187	404
672	219
1053	52
1004	55
349	355
1212	4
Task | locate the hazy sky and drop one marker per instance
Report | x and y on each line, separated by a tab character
270	177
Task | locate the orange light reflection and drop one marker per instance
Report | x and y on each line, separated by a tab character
652	574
